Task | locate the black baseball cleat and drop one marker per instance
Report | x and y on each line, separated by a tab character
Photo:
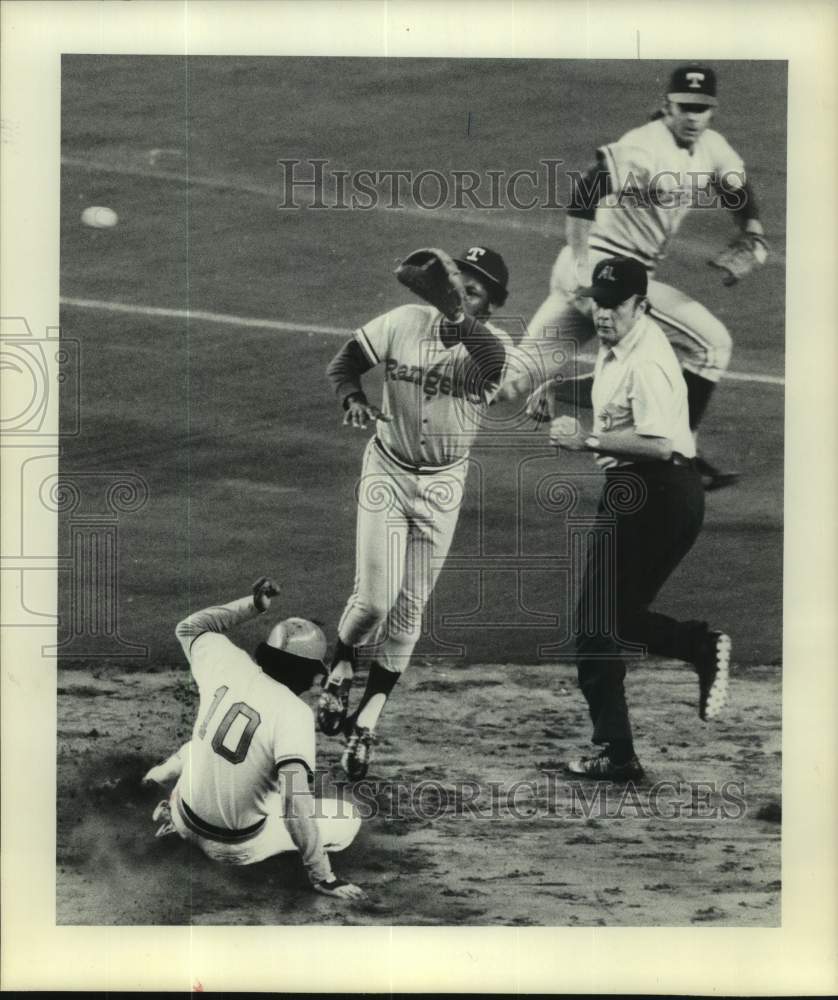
713	668
358	753
713	478
603	768
333	705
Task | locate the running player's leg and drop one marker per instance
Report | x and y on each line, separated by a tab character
560	326
702	342
704	347
433	522
383	495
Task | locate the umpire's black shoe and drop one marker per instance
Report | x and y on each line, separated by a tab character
713	478
333	705
713	668
603	768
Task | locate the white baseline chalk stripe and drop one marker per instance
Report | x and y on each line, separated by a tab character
296	327
471	217
208	317
545	224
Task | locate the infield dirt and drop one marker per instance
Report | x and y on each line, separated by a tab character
470	818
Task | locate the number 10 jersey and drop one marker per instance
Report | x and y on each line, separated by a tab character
248	725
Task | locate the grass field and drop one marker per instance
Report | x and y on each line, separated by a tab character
233	426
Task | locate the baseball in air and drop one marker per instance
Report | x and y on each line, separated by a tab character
99	217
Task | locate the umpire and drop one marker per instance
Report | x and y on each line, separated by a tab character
649	515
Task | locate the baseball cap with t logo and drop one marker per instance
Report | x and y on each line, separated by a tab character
488	265
693	85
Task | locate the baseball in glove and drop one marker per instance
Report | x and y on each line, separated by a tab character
433	276
748	251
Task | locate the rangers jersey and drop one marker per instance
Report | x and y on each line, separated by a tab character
653	182
432	394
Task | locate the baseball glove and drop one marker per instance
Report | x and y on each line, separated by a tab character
748	251
433	276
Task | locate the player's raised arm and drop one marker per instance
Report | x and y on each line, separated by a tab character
487	354
299	819
219	618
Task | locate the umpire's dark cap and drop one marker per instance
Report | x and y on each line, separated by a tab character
693	85
488	265
616	279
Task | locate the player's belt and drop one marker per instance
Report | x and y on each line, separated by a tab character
419	470
192	821
676	458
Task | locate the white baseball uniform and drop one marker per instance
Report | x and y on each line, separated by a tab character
653	184
227	798
413	477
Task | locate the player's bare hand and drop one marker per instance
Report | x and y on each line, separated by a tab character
359	414
338	889
540	404
568	434
263	590
511	390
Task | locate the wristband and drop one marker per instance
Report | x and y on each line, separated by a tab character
592	441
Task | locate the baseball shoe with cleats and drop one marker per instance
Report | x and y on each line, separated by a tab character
163	815
603	768
333	705
713	668
356	758
713	478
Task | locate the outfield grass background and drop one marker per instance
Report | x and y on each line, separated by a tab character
235	430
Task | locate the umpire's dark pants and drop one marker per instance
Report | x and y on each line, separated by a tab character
648	517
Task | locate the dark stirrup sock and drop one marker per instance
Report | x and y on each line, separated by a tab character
379	681
342	652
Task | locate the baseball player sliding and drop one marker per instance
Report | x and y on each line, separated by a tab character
442	362
631	203
241	789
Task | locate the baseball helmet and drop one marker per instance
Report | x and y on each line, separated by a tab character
489	266
300	637
293	653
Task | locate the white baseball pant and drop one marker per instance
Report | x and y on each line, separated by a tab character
337	821
701	341
405	524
